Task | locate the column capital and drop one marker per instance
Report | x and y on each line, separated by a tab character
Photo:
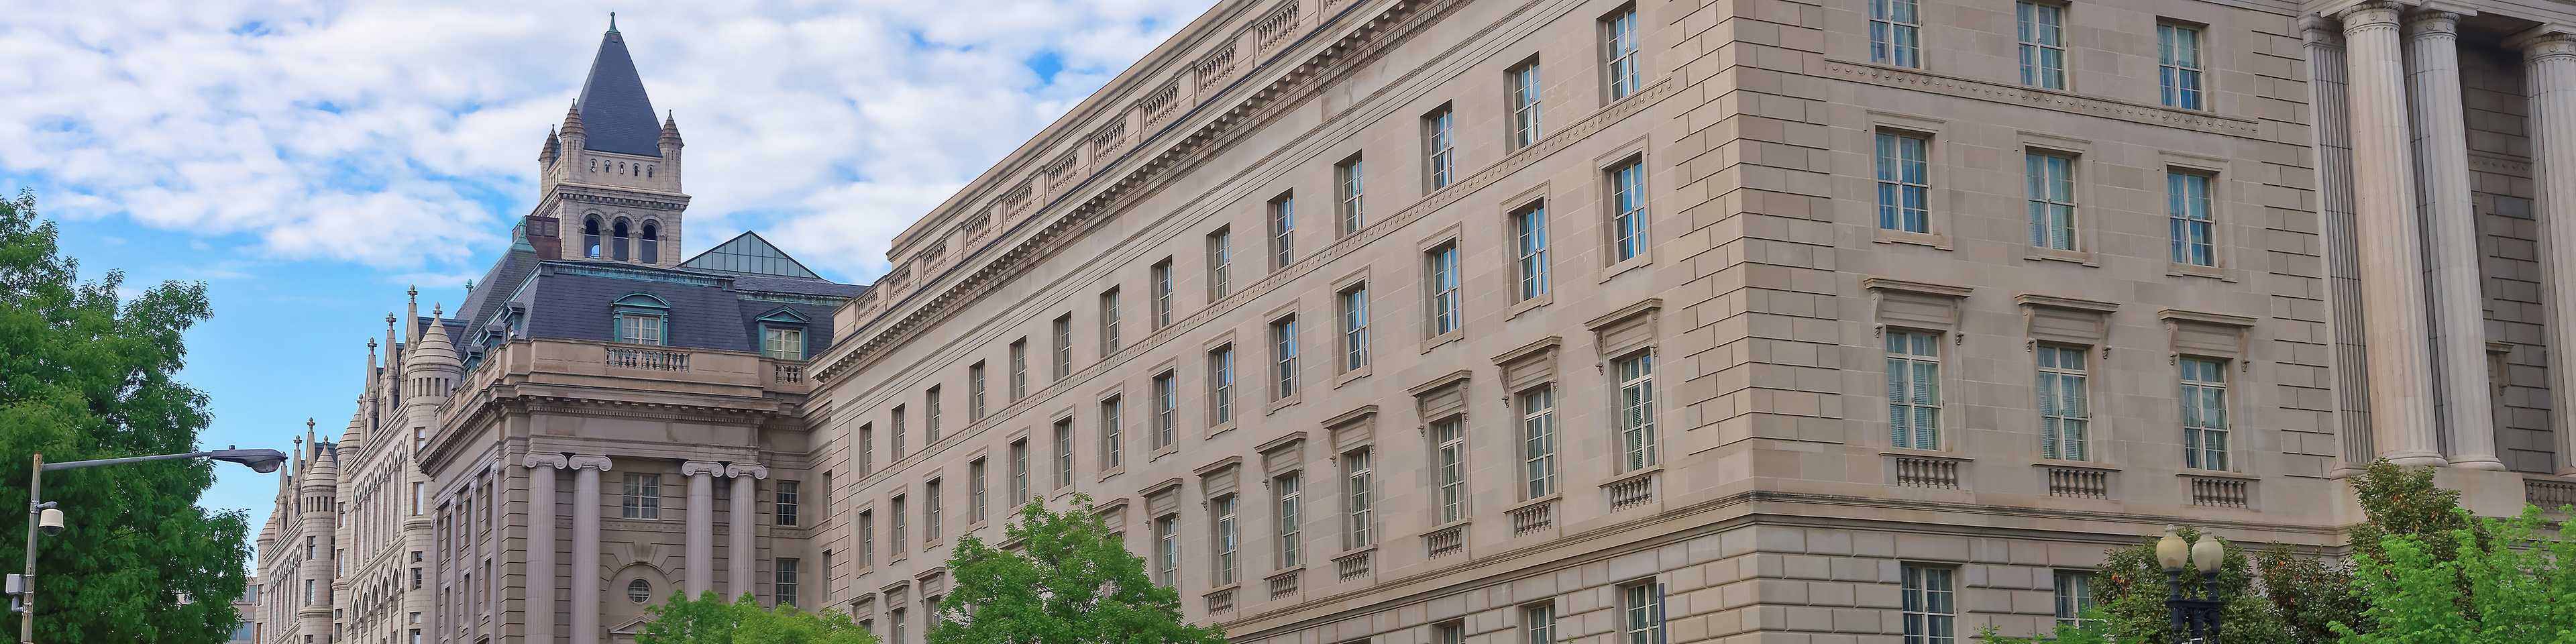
2429	21
2367	14
2321	30
694	468
557	461
746	469
2545	41
585	461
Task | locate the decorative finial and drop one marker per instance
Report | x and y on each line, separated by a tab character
413	293
371	345
435	309
469	286
299	442
612	22
308	423
389	321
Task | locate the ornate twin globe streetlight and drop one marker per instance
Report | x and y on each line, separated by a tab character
2195	612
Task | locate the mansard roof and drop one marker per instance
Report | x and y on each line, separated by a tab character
614	110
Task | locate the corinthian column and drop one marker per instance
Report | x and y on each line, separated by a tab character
2551	77
699	558
540	601
585	547
2451	233
2392	263
740	523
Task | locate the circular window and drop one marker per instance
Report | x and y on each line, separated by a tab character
639	590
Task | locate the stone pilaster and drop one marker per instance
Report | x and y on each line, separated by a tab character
2390	246
2457	296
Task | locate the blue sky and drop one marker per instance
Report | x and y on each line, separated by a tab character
310	159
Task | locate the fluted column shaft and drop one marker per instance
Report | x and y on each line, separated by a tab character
699	560
2392	263
741	523
585	547
2457	293
2551	79
540	601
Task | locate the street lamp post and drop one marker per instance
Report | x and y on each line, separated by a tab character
2195	612
259	460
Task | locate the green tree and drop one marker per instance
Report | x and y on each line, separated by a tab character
2503	582
1063	578
85	374
709	620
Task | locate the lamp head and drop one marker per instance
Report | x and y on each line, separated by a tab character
51	521
2207	553
260	460
2171	551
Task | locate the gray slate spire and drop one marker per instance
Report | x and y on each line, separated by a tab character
614	111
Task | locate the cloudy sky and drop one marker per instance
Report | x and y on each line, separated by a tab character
310	159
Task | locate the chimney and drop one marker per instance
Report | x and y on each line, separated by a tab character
546	234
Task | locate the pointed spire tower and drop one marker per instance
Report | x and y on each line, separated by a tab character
611	174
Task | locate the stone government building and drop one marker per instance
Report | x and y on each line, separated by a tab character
1857	321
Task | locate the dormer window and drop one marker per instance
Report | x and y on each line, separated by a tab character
782	335
590	237
618	245
641	319
652	243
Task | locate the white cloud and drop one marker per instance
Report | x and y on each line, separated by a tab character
404	135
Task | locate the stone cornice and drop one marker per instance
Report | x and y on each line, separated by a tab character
2043	99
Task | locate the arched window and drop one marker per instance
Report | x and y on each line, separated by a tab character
641	319
619	245
651	243
639	591
648	172
590	237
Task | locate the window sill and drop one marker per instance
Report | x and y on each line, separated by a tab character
1166	450
2216	474
2070	465
1436	341
1890	236
1220	429
1107	473
1348	376
1909	452
1528	305
1283	403
2037	254
1532	503
1633	263
2196	270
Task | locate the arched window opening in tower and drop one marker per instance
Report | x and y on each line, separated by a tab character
590	237
652	243
648	172
618	247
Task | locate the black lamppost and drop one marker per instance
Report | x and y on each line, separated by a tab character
2195	612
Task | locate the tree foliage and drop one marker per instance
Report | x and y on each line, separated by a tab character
2503	582
710	620
87	375
1064	579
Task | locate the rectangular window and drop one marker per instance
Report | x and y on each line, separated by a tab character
1628	210
1355	335
1439	147
975	392
1529	251
1167	408
1637	411
1283	231
1286	495
1931	615
1063	347
1163	294
785	505
1525	106
930	416
1538	624
1019	369
867	530
1108	322
867	449
1357	500
1113	437
2052	199
2187	212
1904	183
783	581
2042	28
2074	596
1895	33
639	329
2178	71
895	536
1346	190
643	498
979	495
2065	414
1449	466
2204	414
1641	608
931	504
1020	473
1619	46
1224	538
782	343
1538	442
1283	358
895	440
415	579
1221	385
1167	550
1914	389
897	636
1450	633
1220	250
1442	284
1063	453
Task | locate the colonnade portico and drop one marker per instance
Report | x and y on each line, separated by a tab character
698	559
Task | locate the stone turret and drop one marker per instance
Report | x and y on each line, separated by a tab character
554	148
318	485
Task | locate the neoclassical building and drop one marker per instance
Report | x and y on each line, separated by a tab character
602	421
